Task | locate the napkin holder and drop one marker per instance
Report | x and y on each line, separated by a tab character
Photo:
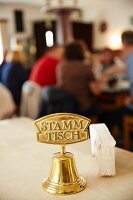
62	129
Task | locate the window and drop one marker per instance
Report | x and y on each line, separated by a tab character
49	38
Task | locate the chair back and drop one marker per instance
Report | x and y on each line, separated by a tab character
128	129
30	99
55	100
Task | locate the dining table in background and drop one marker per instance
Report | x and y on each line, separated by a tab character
113	96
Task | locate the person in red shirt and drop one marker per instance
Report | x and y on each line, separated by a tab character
44	70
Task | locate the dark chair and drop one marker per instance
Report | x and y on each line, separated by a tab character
128	129
55	100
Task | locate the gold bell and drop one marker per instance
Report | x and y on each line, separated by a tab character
63	128
64	178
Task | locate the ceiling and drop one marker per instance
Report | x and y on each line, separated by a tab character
36	2
41	2
81	3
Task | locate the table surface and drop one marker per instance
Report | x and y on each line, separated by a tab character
24	163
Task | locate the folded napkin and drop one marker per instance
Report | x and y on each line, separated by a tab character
103	148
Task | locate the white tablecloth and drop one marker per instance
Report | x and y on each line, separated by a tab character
24	163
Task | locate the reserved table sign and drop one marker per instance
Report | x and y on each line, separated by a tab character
62	128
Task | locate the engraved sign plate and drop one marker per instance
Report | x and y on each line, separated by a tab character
62	128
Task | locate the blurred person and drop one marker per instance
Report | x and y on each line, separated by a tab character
87	54
13	74
7	105
116	116
106	61
127	41
76	77
43	72
3	62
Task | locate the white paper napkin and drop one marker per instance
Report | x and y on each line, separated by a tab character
103	148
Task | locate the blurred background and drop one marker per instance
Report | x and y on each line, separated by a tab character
33	41
24	25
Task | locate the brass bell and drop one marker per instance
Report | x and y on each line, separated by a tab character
63	128
63	177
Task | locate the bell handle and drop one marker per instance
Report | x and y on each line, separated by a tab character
62	149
